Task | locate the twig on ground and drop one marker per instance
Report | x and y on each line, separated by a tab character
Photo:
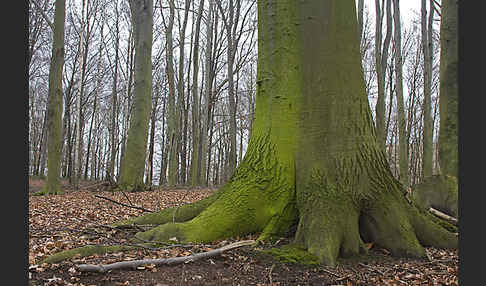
128	199
332	273
122	204
165	261
270	274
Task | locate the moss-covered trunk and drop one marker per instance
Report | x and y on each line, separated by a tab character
54	108
313	158
133	165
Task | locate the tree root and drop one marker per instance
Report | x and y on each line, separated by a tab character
173	214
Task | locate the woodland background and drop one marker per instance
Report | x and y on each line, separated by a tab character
103	82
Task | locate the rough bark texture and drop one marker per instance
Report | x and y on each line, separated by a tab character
313	158
449	95
133	166
54	108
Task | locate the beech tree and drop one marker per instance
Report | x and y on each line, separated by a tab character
427	51
133	165
313	159
448	136
402	123
54	109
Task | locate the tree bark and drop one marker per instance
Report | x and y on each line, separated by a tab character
54	110
449	94
381	57
402	123
207	96
195	156
133	166
427	51
173	130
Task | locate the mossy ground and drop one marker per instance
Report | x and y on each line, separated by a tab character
291	253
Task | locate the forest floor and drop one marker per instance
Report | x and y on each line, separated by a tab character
78	218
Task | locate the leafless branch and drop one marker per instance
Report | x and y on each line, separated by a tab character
39	8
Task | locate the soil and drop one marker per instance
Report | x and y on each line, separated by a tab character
78	218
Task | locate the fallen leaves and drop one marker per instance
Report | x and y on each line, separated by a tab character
75	219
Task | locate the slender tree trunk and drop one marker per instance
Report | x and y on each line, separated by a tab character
173	129
43	148
427	48
180	105
128	104
114	102
82	69
54	109
230	25
153	121
133	166
99	78
402	123
381	57
207	96
195	156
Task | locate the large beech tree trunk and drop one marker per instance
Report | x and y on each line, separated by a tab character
313	158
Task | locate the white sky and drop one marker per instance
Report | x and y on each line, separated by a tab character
406	8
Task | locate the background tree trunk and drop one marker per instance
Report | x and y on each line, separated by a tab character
449	95
54	111
196	148
381	58
427	48
133	166
402	123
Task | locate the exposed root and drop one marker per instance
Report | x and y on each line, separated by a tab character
173	214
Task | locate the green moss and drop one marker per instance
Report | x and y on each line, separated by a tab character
291	253
85	251
439	192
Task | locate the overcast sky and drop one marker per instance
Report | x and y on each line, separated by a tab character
406	8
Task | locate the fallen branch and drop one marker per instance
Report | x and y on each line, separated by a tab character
443	216
163	261
122	204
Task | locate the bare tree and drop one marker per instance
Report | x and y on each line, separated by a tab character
381	57
53	184
133	165
402	124
427	51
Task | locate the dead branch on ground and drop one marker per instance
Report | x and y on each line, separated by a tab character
164	261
